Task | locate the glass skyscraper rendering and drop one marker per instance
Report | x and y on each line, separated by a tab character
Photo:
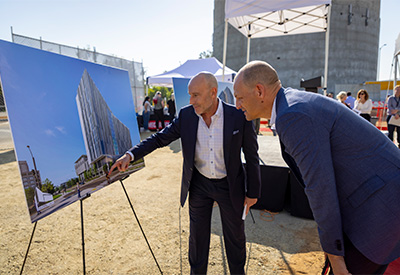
103	133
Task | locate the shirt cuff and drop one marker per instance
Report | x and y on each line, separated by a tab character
132	156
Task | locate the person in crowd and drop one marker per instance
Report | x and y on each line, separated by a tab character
146	113
341	97
350	100
213	134
330	95
159	110
394	111
171	108
350	170
363	104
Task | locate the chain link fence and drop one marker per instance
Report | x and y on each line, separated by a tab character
135	69
2	104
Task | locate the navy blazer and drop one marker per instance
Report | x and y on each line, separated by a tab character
238	134
350	170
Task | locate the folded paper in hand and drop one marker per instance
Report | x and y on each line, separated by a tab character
394	121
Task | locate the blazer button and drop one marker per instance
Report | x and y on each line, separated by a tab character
191	169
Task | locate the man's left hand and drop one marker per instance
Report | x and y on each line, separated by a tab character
250	202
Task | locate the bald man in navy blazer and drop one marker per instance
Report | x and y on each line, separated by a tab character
213	134
349	169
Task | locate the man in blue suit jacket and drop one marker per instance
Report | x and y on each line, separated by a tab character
212	135
350	170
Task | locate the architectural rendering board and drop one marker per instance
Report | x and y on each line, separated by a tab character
69	120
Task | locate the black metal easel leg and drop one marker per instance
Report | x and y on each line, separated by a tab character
251	213
83	240
180	238
27	251
144	235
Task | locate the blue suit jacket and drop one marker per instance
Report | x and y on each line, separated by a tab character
238	134
351	173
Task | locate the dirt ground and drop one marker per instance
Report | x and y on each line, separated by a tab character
114	244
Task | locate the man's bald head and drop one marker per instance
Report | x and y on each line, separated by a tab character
259	72
208	78
203	89
255	88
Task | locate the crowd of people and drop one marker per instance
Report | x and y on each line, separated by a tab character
362	105
350	171
160	109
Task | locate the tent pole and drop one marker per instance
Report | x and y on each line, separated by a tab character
396	60
328	23
248	48
224	53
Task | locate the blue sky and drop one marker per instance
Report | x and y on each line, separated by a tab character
161	34
40	90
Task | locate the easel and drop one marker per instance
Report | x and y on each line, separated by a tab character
83	235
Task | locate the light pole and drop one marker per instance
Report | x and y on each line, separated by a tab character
379	60
34	164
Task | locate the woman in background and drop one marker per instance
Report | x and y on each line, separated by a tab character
171	108
363	104
341	97
146	113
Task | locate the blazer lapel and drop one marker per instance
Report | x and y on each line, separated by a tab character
228	130
192	128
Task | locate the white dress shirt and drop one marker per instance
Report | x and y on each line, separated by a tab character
209	153
364	108
273	116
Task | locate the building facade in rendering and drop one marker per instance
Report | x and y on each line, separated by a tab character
103	133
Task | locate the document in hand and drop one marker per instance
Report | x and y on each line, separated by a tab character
394	121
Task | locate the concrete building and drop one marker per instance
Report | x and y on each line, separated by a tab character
28	177
103	133
353	47
81	165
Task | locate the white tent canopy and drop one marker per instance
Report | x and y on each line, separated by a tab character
189	69
267	18
264	18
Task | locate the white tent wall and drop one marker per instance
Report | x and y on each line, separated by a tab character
352	55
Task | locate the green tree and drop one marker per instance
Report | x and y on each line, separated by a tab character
94	170
165	92
29	193
105	168
48	187
206	54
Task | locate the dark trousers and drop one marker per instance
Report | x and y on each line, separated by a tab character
202	194
391	129
159	117
356	262
366	116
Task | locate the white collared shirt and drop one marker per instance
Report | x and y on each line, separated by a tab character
209	153
273	115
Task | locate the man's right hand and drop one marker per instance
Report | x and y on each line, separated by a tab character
338	265
122	164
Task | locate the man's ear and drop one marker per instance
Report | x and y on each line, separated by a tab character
214	91
260	91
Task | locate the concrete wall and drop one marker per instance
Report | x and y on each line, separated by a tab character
353	47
